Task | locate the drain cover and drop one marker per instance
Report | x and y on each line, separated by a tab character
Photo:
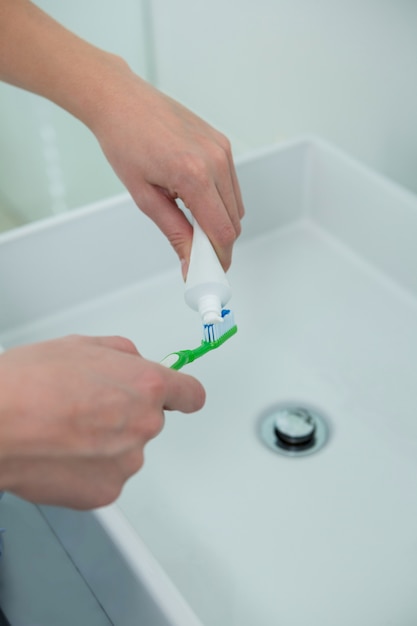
293	430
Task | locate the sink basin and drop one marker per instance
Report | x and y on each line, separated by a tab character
219	529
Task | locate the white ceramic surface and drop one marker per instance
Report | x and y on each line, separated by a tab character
325	295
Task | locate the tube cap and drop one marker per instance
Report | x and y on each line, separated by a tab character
210	309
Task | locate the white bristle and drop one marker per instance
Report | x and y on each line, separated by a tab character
213	332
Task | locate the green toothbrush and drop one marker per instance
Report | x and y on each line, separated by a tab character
214	336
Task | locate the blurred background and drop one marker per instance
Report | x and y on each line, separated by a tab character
261	72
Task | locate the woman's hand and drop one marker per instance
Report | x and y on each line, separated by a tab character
76	413
161	151
158	148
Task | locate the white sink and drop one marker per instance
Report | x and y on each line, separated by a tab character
217	529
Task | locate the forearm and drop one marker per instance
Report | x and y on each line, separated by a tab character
38	54
159	149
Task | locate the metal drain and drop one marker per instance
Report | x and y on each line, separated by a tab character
293	429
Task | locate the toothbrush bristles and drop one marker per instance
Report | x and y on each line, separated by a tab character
215	332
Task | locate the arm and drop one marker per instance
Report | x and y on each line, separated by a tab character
159	149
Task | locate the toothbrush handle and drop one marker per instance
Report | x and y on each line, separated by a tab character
177	360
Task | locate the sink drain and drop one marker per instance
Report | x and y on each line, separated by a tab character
293	430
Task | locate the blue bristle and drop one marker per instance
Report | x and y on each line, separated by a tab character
213	332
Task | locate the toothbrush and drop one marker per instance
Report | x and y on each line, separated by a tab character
214	336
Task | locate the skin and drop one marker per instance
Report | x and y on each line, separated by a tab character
77	412
159	149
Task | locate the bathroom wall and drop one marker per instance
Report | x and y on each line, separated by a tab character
266	70
261	71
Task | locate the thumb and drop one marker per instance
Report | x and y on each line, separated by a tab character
157	204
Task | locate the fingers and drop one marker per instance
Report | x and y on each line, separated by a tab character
236	188
156	203
214	201
231	193
164	388
210	212
161	151
93	404
207	184
182	392
115	342
167	389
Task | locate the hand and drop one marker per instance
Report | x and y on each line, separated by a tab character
76	413
161	151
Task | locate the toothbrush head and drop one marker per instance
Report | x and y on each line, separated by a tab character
216	334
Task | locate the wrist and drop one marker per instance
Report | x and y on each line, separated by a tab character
92	88
40	55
